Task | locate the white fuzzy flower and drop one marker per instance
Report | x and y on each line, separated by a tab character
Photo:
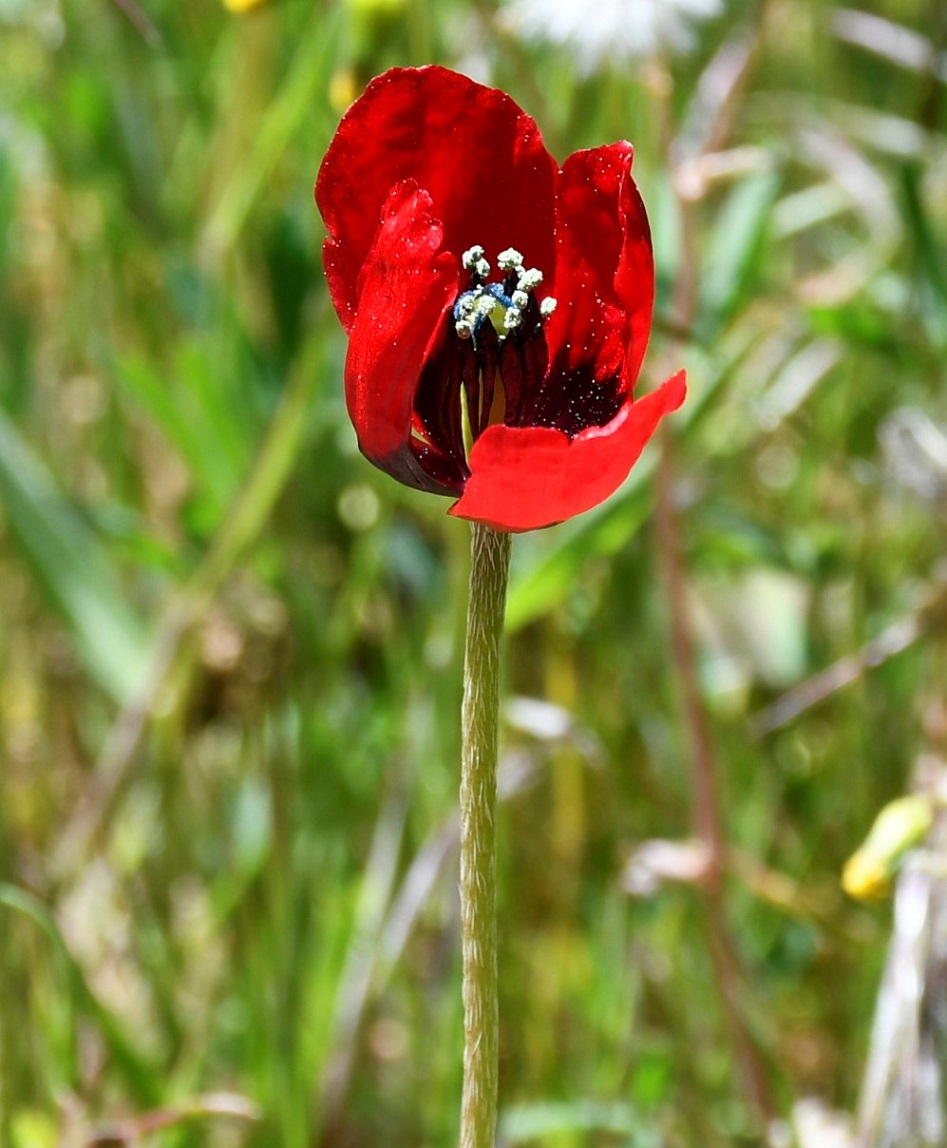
609	31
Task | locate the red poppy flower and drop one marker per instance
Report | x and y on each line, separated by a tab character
498	307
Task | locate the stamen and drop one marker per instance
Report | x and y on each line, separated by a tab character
509	260
498	321
529	280
471	256
474	262
505	303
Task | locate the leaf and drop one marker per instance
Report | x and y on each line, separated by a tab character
291	106
930	253
193	415
736	250
73	567
144	1083
528	1122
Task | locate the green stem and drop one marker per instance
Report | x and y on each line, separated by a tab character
489	571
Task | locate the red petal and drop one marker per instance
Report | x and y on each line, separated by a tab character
481	158
634	283
605	274
524	478
407	284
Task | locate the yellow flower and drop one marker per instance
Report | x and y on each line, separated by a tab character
343	89
899	827
242	5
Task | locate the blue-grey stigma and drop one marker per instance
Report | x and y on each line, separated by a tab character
502	303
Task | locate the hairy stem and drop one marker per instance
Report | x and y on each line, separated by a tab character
489	571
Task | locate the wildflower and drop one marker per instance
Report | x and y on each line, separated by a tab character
242	5
498	307
899	828
609	31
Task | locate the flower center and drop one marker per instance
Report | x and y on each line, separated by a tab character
503	303
500	328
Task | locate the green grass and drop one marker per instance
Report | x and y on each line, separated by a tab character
230	649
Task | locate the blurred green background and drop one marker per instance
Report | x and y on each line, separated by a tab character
229	648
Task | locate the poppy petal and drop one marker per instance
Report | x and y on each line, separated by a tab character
604	290
589	239
480	157
634	282
407	284
524	478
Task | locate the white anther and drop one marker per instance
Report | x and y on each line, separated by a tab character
520	299
509	260
485	304
471	256
482	268
466	305
529	280
547	306
513	318
463	329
